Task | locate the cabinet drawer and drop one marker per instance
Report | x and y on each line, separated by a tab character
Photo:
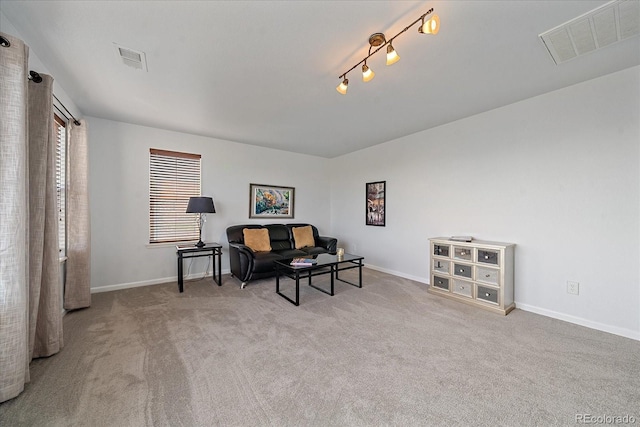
487	294
462	253
441	250
462	287
440	282
488	275
440	266
487	256
462	270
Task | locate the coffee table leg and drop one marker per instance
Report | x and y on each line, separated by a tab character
180	280
219	255
333	268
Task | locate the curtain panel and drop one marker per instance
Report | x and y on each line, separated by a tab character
77	293
30	289
14	232
45	314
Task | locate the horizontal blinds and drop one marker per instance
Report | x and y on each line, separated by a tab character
173	178
59	126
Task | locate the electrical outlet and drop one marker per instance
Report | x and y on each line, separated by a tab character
573	288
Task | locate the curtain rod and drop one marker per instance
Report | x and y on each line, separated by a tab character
35	77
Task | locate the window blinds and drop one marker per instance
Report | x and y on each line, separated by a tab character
59	129
173	178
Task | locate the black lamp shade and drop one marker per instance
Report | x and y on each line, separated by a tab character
201	205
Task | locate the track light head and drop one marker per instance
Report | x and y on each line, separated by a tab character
432	26
367	73
392	55
342	87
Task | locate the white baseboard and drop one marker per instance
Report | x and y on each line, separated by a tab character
398	273
109	288
623	332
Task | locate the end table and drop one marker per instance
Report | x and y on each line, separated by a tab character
214	250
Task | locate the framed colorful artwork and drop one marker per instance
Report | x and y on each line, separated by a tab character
271	201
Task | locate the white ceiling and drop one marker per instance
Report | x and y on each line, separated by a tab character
265	72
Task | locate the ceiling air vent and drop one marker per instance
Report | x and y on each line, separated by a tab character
132	58
607	24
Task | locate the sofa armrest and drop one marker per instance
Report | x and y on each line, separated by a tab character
241	260
329	243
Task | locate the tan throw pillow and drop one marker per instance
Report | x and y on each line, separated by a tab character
257	239
303	237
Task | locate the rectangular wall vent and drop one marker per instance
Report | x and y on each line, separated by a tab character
132	58
607	24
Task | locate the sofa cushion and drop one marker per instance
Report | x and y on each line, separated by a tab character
303	237
314	250
257	239
279	236
263	262
291	253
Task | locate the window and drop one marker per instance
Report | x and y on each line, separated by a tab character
173	178
60	132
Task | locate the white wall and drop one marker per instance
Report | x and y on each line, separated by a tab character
119	197
36	64
557	174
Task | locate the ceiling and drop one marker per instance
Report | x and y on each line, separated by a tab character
264	72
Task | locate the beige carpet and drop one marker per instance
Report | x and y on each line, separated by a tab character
386	354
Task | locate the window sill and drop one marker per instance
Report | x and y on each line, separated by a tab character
170	245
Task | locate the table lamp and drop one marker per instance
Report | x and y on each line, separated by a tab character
201	206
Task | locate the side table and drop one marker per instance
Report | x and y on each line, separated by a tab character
214	250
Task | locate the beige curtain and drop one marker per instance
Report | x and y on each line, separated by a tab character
77	293
14	299
30	312
45	313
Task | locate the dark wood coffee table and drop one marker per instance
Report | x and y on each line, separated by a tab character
325	264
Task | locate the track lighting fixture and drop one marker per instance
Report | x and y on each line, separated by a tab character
378	40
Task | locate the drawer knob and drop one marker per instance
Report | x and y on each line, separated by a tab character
461	287
487	294
488	275
439	282
462	270
486	257
463	253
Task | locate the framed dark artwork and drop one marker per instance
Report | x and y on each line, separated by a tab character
375	193
271	201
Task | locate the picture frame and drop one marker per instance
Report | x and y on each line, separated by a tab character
271	201
375	196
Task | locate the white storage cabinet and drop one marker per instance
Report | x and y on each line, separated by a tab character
479	272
